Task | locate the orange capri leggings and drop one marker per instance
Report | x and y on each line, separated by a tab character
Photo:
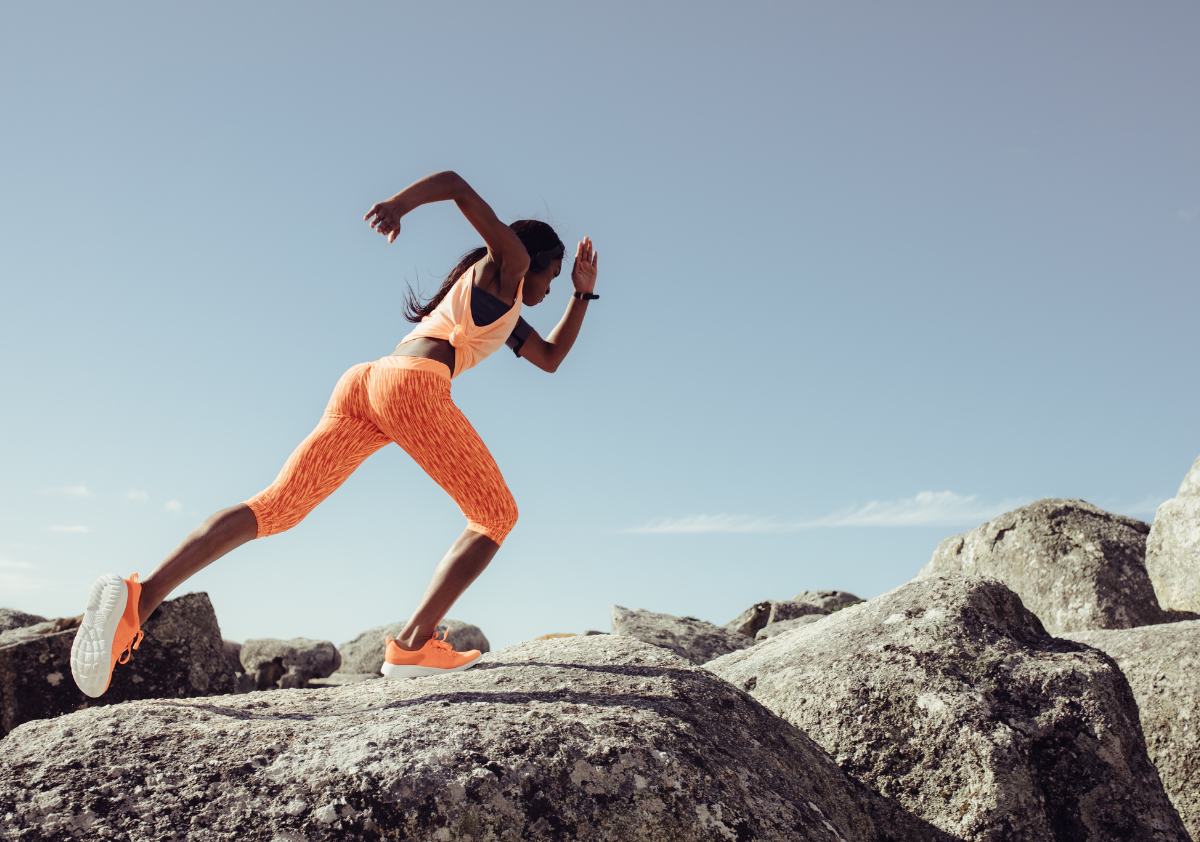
400	399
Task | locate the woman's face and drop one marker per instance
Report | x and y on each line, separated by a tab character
537	284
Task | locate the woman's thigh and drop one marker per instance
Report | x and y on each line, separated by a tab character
415	410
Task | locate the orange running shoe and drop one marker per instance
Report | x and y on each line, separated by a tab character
108	634
436	656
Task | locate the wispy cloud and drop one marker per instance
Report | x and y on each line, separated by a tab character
929	508
173	506
67	529
69	491
14	579
137	496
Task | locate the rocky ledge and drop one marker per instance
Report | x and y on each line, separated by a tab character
584	738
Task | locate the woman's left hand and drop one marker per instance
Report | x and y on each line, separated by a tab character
583	275
386	218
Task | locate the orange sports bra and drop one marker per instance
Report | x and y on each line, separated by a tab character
452	320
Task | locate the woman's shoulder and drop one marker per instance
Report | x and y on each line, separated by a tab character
486	276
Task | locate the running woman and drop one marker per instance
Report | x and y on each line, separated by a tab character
402	398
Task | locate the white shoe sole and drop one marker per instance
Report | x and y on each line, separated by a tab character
91	653
413	671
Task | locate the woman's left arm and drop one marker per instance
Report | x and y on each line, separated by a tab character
548	353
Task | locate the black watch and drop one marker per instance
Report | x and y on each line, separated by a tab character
586	296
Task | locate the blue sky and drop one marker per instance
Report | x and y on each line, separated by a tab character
870	274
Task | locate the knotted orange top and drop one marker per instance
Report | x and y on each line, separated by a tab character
452	320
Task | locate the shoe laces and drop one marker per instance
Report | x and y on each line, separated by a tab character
129	647
440	643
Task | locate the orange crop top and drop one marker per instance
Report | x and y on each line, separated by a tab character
452	320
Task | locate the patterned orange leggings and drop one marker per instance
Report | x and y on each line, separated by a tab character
400	399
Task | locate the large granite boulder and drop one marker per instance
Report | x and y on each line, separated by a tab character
11	618
1075	566
948	695
587	738
689	638
181	655
1173	548
364	654
1162	664
288	663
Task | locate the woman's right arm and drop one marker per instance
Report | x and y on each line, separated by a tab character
503	245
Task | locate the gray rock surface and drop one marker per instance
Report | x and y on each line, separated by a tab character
1075	566
751	620
771	629
242	683
948	695
365	653
1173	548
787	609
762	614
340	678
288	663
1162	664
829	600
181	655
11	618
586	738
689	638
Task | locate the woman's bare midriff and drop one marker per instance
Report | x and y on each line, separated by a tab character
439	350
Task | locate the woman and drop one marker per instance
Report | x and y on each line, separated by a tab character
403	398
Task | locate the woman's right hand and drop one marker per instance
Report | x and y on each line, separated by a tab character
386	218
583	275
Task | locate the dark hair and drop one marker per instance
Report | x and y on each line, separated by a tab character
539	239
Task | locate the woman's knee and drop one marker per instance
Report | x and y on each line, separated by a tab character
497	521
273	519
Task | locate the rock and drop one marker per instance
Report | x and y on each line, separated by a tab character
772	629
760	615
586	738
1161	664
829	600
181	655
554	636
233	653
751	620
689	638
1173	548
784	610
11	618
365	652
1075	566
948	695
288	663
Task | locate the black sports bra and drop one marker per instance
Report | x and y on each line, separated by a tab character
487	308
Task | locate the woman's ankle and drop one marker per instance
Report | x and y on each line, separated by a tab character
413	642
